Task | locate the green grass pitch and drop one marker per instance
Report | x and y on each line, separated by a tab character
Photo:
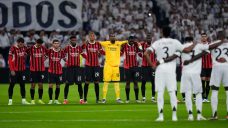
92	115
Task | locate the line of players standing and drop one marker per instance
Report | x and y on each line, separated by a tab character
91	51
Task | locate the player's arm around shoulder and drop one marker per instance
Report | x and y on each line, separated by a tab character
123	42
103	43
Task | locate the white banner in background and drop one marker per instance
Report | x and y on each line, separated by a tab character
41	14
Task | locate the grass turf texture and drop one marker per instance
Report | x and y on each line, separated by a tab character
94	115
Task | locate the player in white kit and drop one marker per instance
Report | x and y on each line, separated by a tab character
165	74
190	79
219	73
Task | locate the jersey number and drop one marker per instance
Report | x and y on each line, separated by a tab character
219	51
166	51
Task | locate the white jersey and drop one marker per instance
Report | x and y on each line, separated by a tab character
194	67
219	52
164	48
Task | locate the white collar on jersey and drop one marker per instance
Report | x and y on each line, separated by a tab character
73	46
92	42
55	50
130	45
36	46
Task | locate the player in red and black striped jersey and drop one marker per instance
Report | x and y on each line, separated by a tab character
73	72
206	69
16	60
38	54
93	50
55	55
148	74
130	51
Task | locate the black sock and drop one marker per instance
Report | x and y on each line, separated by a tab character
127	90
198	112
194	96
86	88
176	93
50	93
32	93
136	93
66	91
204	89
80	91
40	91
57	91
207	89
153	87
183	96
22	89
143	88
97	90
10	90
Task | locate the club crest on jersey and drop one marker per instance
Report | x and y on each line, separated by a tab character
97	74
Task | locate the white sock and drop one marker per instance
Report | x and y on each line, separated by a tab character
199	101
173	100
23	100
214	101
227	101
10	100
160	101
188	101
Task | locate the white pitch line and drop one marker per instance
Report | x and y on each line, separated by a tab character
92	120
78	111
79	120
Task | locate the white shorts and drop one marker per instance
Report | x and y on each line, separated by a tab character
191	81
219	75
165	80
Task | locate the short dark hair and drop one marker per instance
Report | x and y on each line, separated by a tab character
221	34
166	31
55	40
131	37
203	33
39	41
73	36
21	40
188	39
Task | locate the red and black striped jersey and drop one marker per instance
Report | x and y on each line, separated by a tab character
16	58
93	51
207	61
55	57
130	53
72	55
145	45
37	57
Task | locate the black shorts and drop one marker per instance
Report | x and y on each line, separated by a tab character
148	74
37	76
92	74
55	78
19	77
74	75
132	74
206	72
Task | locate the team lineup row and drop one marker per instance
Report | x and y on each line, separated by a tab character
159	58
